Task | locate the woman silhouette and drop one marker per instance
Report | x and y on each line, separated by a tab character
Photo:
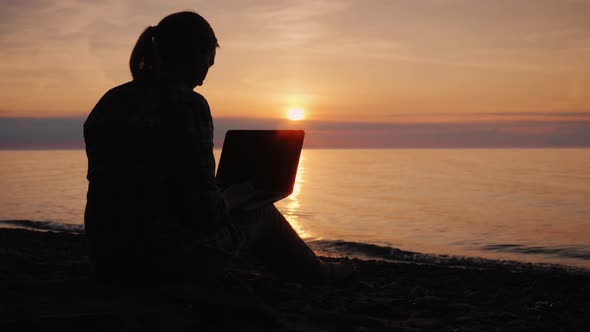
154	211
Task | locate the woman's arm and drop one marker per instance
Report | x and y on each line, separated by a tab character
202	201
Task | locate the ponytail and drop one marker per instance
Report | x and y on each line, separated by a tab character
144	58
174	44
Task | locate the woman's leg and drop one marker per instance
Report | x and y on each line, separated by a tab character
270	237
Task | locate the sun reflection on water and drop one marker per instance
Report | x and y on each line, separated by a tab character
293	202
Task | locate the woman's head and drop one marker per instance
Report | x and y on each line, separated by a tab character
181	46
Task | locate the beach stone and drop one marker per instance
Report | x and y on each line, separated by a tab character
378	309
367	284
534	311
460	307
502	297
424	322
429	301
506	315
476	295
464	319
418	291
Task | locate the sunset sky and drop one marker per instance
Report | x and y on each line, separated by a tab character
391	73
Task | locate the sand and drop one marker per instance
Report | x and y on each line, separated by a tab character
46	283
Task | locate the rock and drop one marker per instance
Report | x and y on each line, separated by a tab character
506	315
428	301
463	319
460	307
418	291
424	322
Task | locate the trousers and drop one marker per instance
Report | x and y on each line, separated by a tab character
147	255
268	236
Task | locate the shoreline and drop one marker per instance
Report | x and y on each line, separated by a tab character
395	255
47	282
358	250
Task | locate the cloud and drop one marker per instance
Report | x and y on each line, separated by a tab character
455	33
489	116
285	24
41	133
73	42
52	133
459	53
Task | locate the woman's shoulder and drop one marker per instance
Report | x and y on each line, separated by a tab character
117	104
139	98
124	90
117	94
200	100
186	99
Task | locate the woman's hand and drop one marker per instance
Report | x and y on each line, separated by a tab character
238	194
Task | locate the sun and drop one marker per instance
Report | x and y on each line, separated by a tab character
296	114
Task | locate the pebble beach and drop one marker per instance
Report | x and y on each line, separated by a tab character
47	282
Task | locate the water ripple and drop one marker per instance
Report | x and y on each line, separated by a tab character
574	251
44	225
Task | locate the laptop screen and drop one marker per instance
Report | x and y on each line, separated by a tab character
268	159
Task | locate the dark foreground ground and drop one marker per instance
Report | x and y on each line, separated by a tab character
46	284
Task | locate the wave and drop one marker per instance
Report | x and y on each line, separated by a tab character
339	248
386	253
575	252
44	225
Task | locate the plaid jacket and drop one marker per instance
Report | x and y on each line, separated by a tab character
151	169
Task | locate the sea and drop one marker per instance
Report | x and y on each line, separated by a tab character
500	205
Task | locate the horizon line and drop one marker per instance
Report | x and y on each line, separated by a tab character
67	133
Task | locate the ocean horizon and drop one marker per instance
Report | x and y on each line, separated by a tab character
525	205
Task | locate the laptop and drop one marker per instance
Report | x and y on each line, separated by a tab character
263	163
